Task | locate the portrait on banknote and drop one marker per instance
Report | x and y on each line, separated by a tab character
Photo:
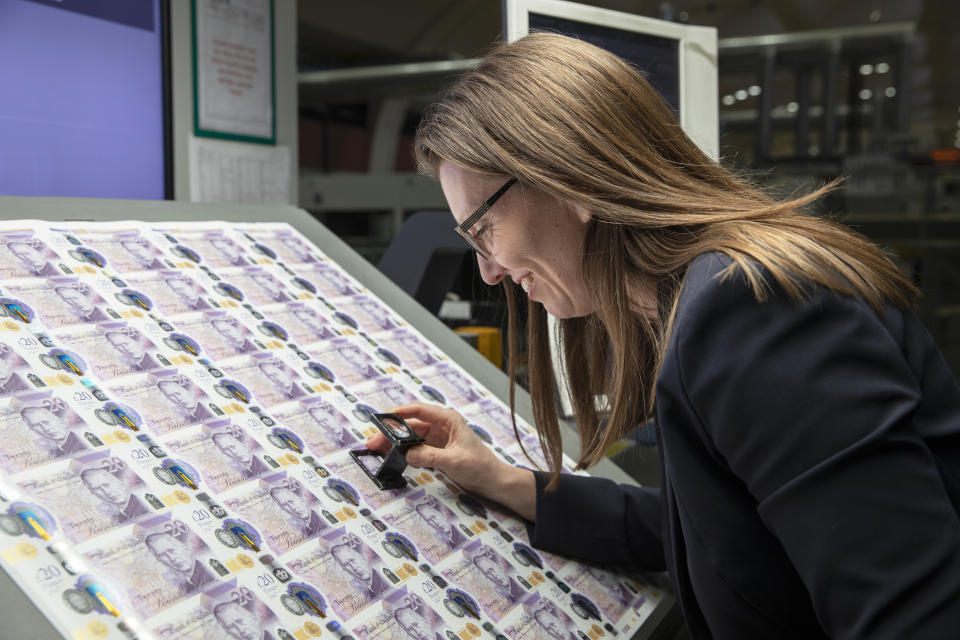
214	246
229	251
292	249
285	244
456	387
13	372
284	511
189	295
268	378
432	526
60	302
259	285
91	494
346	569
608	591
174	292
112	349
126	250
321	424
158	562
369	314
329	279
402	615
386	392
141	254
224	612
224	453
493	581
39	428
168	399
280	376
412	351
219	334
493	418
26	256
304	322
346	358
183	396
543	619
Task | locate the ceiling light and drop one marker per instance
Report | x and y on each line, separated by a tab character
792	107
865	94
728	100
754	90
882	67
741	94
866	69
890	92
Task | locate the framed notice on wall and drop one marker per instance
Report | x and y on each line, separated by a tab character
233	70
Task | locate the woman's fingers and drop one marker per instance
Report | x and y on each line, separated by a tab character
429	413
431	422
378	442
425	456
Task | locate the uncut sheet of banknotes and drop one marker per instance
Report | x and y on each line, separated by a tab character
177	406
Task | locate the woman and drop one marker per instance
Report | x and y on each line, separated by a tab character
809	429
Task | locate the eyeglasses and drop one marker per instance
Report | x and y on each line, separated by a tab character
463	229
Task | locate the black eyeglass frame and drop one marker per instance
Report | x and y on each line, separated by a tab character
463	229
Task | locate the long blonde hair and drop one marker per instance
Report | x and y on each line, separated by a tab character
582	125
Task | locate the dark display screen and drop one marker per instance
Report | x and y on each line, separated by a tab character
658	57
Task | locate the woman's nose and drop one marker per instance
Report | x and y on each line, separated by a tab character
491	272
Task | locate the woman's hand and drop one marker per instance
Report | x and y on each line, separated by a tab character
451	446
455	449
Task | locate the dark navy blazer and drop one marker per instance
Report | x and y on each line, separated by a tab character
811	472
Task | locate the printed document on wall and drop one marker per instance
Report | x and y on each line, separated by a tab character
237	172
234	67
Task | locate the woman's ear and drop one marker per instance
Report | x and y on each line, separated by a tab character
582	213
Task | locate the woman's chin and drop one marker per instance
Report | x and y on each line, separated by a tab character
564	311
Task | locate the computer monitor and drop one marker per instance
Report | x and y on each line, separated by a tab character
84	99
680	62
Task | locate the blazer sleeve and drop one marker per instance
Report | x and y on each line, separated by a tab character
810	405
598	520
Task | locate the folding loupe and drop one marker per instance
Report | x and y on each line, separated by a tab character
387	472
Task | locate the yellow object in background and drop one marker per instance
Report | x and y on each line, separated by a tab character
486	340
